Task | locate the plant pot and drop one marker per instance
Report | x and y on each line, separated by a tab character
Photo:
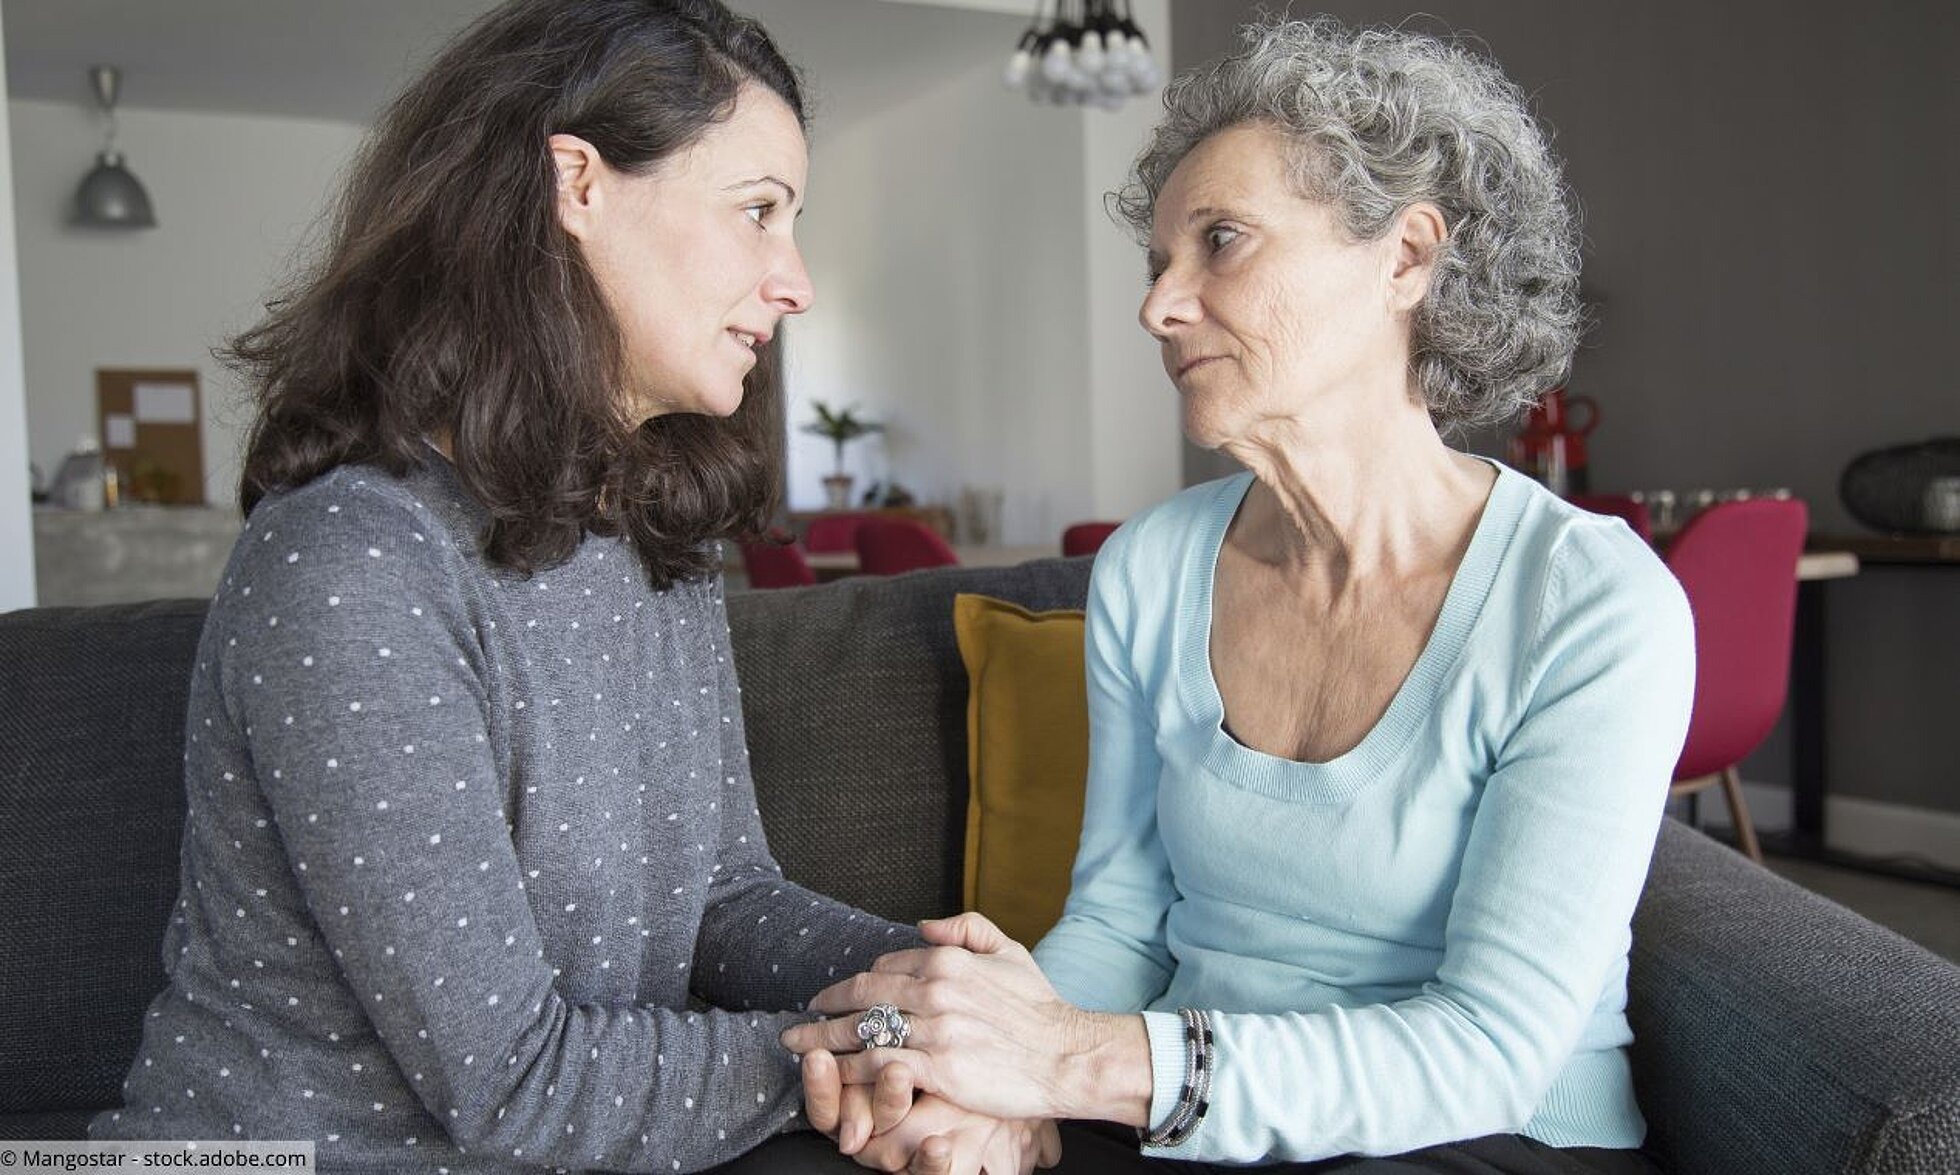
837	491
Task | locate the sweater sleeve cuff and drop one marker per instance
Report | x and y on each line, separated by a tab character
1167	1061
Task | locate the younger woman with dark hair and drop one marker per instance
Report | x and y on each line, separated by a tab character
473	878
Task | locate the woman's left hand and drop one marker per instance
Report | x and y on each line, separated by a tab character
850	1115
940	1138
987	1030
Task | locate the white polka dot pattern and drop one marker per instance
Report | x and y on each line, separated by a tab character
460	849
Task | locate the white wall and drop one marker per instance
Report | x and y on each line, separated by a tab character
945	239
16	519
234	197
1133	410
973	295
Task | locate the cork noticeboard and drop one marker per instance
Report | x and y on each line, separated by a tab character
151	425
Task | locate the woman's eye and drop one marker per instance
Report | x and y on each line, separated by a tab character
1219	235
757	212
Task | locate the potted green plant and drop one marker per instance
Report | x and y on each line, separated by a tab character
840	427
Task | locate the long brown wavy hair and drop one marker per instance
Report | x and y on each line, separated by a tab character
449	300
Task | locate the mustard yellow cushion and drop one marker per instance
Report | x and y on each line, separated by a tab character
1027	756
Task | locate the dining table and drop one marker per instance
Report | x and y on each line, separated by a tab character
1809	734
1816	567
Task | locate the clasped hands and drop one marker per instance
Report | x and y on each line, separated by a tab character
991	1060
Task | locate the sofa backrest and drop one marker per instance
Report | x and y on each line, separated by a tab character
91	812
855	700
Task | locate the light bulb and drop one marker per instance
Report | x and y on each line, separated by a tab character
1018	68
1056	63
1089	54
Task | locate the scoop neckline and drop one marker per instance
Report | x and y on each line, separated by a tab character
1343	776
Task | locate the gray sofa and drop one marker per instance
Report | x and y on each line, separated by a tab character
1777	1033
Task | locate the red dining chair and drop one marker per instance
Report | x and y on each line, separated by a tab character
833	532
1737	561
1618	506
891	546
776	565
1086	538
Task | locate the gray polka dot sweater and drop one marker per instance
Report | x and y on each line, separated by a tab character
460	847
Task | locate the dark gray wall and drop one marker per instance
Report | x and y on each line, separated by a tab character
1769	192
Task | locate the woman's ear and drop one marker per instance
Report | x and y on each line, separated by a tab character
579	169
1419	237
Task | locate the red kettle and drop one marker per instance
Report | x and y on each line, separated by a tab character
1551	445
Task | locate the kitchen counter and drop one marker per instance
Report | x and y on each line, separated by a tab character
131	553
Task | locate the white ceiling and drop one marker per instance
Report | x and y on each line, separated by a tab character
342	59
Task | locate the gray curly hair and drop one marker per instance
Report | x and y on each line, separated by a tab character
1383	119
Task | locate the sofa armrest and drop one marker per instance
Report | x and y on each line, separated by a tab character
1778	1032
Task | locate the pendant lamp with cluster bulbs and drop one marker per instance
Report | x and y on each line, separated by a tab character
1091	53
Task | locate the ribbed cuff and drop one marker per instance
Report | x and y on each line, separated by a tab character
1167	1061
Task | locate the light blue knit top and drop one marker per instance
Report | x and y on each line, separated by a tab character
1425	939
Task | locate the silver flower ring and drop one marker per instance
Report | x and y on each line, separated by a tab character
883	1026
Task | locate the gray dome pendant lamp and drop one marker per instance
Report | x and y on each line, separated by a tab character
111	196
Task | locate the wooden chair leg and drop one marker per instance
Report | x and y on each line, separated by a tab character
1745	830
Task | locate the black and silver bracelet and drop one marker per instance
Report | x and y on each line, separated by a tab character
1194	1097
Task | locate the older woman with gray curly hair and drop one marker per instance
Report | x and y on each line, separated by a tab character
1381	732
